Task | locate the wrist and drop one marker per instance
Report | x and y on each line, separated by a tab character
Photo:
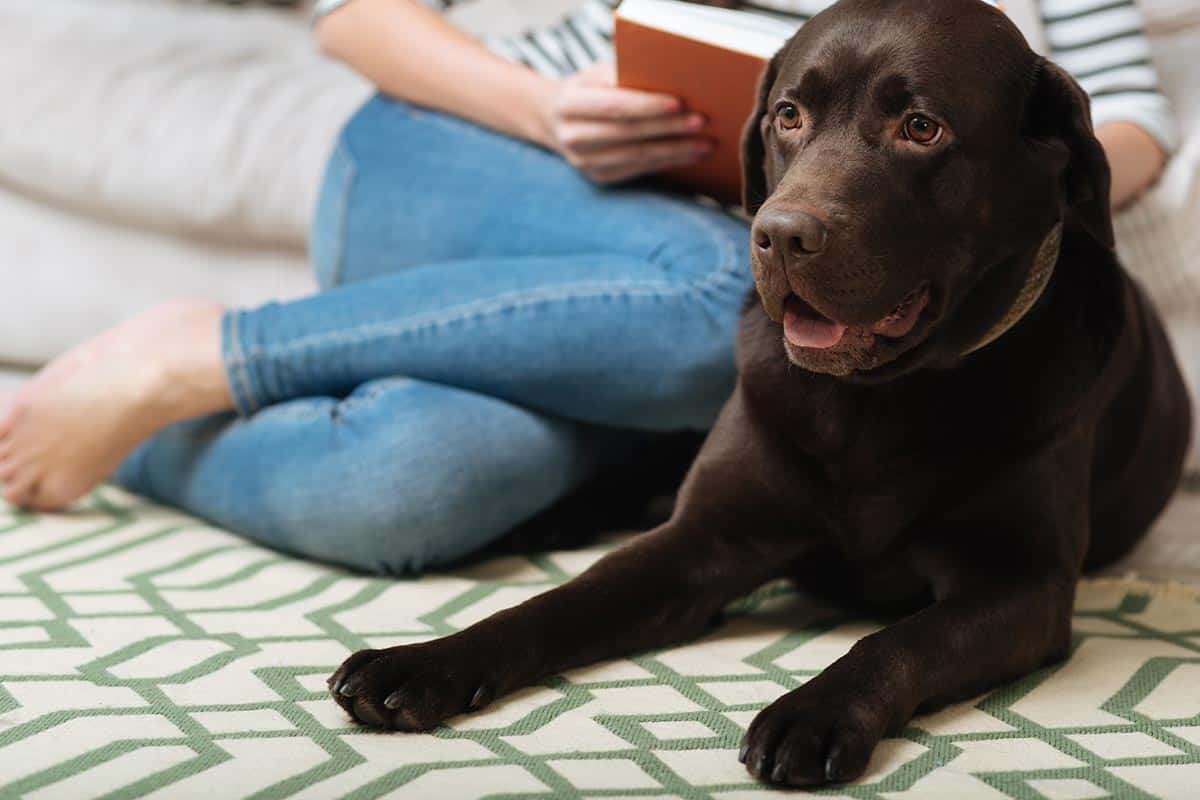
537	117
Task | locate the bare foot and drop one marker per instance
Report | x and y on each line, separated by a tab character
66	430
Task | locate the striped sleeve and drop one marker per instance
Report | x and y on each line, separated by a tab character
577	40
1102	43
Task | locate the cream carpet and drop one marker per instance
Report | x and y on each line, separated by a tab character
145	654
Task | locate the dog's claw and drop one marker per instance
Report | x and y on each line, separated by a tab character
743	750
481	698
833	764
412	687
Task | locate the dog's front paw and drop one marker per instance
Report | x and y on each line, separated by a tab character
810	737
412	687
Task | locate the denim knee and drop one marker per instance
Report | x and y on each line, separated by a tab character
707	263
386	512
403	475
310	479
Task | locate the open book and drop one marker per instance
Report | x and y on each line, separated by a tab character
709	57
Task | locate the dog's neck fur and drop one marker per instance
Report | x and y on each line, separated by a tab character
1040	270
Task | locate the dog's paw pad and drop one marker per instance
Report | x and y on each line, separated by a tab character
794	743
409	688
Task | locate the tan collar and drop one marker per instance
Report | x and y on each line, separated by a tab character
1035	283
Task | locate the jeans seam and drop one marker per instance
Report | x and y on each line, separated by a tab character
727	262
478	310
378	386
237	369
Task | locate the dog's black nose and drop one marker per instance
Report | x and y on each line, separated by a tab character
789	234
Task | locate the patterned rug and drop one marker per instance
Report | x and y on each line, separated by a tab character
143	654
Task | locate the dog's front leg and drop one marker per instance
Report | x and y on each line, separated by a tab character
665	587
825	730
1003	565
728	535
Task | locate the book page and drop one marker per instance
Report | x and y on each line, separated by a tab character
755	33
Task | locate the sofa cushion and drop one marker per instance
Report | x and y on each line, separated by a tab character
188	118
70	276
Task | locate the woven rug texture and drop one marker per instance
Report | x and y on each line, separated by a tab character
145	654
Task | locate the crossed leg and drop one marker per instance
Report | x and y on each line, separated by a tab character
564	316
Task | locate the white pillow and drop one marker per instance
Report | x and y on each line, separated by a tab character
191	118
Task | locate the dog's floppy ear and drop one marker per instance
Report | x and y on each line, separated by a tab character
1059	121
754	179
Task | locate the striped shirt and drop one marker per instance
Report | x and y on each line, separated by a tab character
579	39
1100	42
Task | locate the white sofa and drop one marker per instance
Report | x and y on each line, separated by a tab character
156	148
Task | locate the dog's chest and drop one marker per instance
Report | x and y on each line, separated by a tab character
869	513
878	460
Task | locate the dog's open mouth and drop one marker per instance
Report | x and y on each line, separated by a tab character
804	326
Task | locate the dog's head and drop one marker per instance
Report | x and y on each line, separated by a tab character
905	164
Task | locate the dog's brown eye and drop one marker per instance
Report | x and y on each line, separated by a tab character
789	116
922	130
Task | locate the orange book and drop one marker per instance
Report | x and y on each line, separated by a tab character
709	57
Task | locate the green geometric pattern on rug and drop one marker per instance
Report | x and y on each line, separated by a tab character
144	654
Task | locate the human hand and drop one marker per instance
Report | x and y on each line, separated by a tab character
1135	158
613	134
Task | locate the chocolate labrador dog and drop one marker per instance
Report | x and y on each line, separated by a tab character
952	400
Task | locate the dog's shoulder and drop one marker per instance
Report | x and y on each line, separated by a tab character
1078	348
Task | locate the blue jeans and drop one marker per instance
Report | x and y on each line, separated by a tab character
492	330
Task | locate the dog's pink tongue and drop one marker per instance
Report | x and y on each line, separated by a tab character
802	330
